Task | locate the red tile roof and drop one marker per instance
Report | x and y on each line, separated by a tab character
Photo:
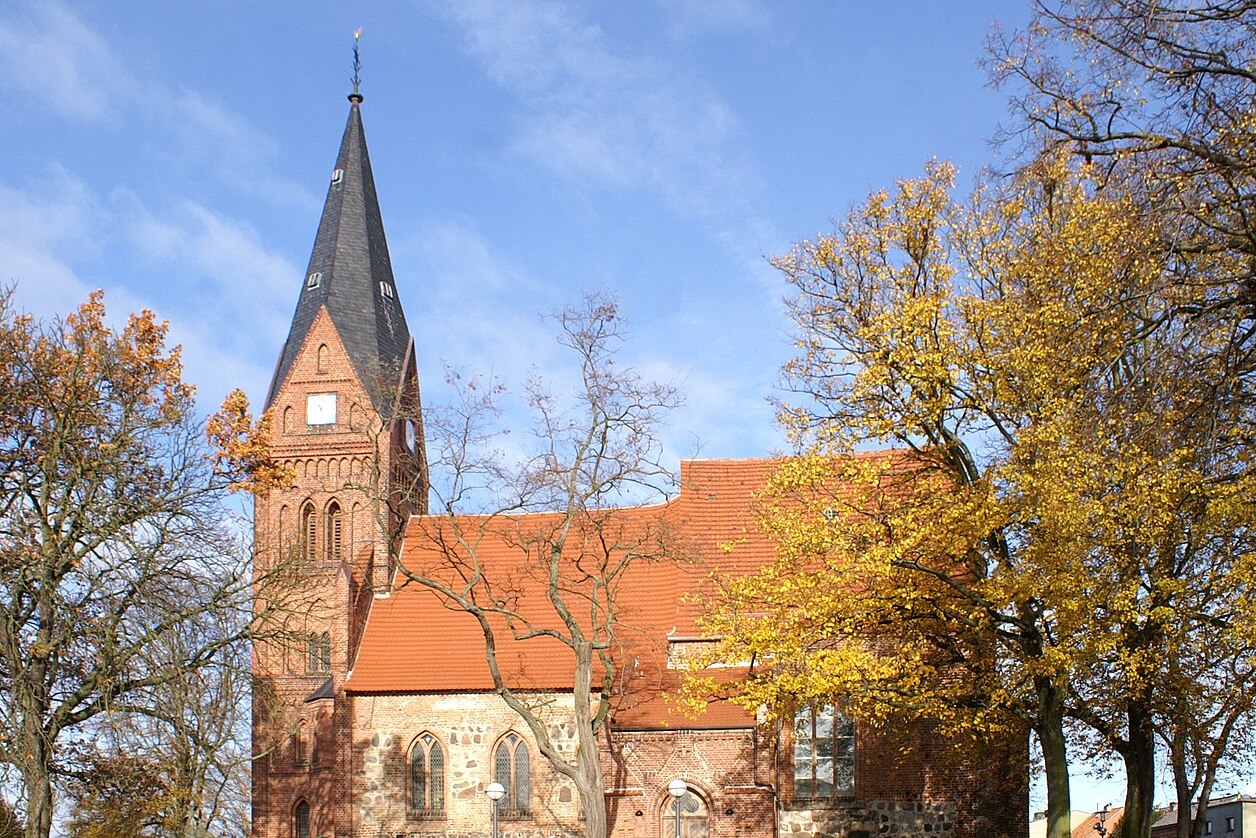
414	642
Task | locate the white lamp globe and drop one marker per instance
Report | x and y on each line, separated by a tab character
677	787
495	791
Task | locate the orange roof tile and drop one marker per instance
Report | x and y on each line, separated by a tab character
415	642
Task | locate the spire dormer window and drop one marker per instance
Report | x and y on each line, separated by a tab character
386	290
314	280
337	177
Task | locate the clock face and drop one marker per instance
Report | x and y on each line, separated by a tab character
320	409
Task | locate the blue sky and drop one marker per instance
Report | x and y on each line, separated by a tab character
176	155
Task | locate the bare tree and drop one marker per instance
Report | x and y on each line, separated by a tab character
113	540
557	517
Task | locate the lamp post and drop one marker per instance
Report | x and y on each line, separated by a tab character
677	789
495	791
1101	820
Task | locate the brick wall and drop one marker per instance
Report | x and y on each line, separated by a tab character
724	767
350	463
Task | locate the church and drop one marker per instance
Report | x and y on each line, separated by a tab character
375	712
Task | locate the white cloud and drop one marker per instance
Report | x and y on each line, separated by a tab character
228	295
224	293
686	17
47	53
591	112
56	215
485	310
208	133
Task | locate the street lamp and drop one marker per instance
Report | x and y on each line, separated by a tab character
495	791
677	789
1101	820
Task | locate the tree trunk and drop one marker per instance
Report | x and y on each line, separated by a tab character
589	782
1050	731
1140	770
1181	784
38	803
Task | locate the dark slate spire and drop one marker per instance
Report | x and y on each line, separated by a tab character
350	273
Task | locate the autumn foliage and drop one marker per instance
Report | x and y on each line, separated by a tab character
119	573
1074	520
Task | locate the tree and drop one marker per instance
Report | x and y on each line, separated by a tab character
193	730
113	538
559	588
1159	96
118	796
1067	476
10	825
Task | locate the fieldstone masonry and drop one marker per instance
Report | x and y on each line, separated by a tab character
468	727
877	819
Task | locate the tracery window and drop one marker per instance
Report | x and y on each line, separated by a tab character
427	777
301	820
512	767
824	753
319	649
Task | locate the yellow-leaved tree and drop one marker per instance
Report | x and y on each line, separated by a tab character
1064	515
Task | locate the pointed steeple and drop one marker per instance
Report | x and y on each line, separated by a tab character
350	273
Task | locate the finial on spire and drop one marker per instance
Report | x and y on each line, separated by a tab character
355	96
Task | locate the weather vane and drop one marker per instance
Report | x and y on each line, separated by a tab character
357	65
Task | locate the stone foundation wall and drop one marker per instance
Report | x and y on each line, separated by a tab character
874	819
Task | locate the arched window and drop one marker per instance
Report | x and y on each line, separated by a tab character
512	767
301	820
319	653
287	419
427	776
309	532
335	524
694	821
322	357
824	753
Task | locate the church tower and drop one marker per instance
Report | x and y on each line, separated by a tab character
344	404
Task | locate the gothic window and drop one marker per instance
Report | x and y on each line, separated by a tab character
287	419
319	653
335	523
301	820
309	532
824	753
427	777
694	820
512	767
322	357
